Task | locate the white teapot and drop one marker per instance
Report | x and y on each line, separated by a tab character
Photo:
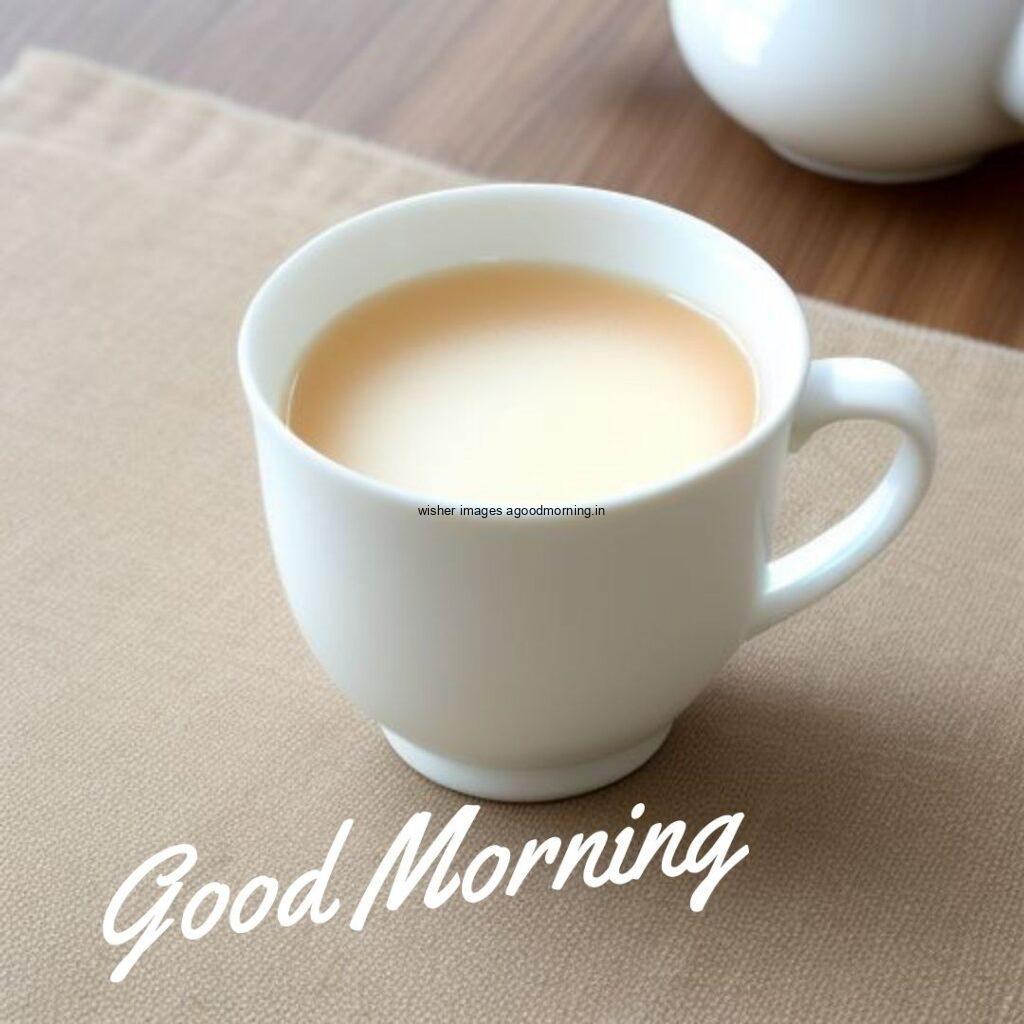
873	90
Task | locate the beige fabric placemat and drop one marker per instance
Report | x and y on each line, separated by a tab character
155	691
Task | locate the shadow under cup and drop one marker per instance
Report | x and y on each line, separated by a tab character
522	658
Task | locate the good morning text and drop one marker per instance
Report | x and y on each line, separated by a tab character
709	854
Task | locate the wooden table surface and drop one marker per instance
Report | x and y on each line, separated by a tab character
589	91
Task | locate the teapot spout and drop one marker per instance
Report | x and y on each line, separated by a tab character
1011	84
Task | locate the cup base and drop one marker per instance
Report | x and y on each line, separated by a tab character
525	784
895	177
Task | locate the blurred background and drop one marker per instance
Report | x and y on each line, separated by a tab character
587	91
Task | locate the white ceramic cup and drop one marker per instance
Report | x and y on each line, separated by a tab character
870	90
529	659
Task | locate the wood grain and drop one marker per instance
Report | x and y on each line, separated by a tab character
588	91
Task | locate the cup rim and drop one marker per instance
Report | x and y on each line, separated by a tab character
649	493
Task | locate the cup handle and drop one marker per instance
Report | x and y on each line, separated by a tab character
852	389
